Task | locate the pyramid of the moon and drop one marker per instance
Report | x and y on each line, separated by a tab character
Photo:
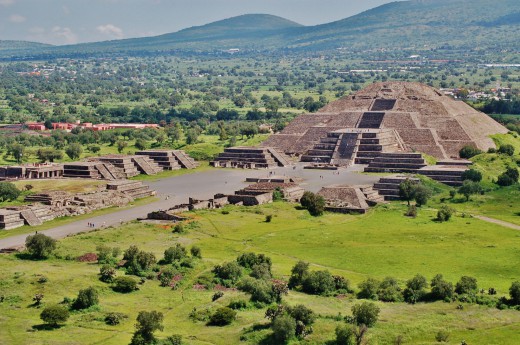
409	117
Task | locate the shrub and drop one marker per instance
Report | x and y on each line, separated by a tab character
166	276
114	319
175	339
260	290
86	298
8	191
303	314
414	291
178	229
389	291
196	252
514	293
441	289
472	175
344	335
248	260
469	188
365	313
442	336
509	177
318	283
40	246
176	253
284	328
228	273
466	285
507	149
422	194
261	271
315	204
125	284
217	295
147	324
238	304
222	317
107	255
298	273
107	273
444	214
412	211
268	218
468	152
54	315
368	289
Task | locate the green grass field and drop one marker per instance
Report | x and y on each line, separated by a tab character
379	244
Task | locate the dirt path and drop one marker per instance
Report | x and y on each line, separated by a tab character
499	222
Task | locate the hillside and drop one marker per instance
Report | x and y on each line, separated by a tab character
20	45
465	24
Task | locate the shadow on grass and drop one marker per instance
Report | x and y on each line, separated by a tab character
46	327
299	208
27	256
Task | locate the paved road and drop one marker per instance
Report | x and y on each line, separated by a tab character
200	185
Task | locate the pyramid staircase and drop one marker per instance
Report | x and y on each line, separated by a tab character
30	217
388	187
396	163
184	159
372	196
146	165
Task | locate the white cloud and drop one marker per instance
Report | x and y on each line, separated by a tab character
6	2
110	30
16	18
65	35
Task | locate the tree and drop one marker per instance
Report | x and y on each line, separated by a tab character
389	291
284	328
94	148
368	289
147	324
8	192
469	151
228	273
472	175
54	315
444	214
49	155
125	284
222	317
74	151
344	335
315	204
107	273
176	253
40	246
191	136
141	144
86	298
441	289
121	145
422	194
196	252
407	190
507	149
17	151
466	285
514	293
365	313
298	273
318	283
469	188
414	291
509	177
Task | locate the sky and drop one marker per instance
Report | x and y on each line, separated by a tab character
76	21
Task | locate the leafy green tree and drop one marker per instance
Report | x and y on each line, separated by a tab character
228	273
176	253
314	203
507	149
509	177
368	289
8	192
344	335
422	194
318	283
94	148
74	151
298	274
470	188
121	145
222	317
147	323
140	144
365	313
55	315
466	285
196	252
407	190
414	291
86	298
444	214
17	151
125	284
284	329
514	293
191	136
389	290
469	151
49	155
107	273
441	289
40	246
472	175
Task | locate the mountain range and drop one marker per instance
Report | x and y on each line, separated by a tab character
459	24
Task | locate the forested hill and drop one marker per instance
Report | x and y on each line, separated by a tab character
467	24
21	45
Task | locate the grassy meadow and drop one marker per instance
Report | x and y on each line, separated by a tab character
379	244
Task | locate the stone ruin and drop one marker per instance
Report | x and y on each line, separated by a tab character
388	186
386	117
170	159
32	171
257	193
350	199
49	205
250	158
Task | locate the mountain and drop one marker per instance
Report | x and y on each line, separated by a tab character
462	24
21	45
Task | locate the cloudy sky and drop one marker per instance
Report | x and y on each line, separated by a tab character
74	21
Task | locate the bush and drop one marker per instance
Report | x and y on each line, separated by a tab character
114	319
8	191
176	253
412	211
54	315
509	177
268	218
365	313
444	214
315	204
40	246
441	289
468	152
86	298
344	335
261	271
228	274
222	317
217	295
261	291
147	324
422	194
507	150
238	304
442	336
125	284
318	283
178	229
107	273
414	291
196	252
469	188
466	285
514	293
284	328
472	175
248	260
175	339
303	314
389	291
298	273
368	289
